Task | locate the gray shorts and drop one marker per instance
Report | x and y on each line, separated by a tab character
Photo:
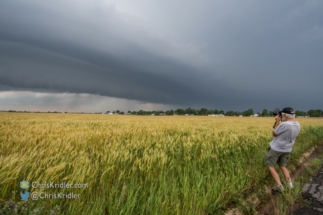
273	157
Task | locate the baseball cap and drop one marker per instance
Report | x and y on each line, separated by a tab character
288	110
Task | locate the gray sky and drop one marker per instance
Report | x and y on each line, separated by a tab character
96	55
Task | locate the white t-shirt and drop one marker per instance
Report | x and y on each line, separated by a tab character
287	133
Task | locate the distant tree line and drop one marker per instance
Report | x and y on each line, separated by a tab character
205	112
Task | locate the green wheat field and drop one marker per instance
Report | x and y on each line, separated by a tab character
138	164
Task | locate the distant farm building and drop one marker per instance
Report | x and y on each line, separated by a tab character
215	115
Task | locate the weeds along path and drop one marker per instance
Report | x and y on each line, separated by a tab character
312	193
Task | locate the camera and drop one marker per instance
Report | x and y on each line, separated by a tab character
277	113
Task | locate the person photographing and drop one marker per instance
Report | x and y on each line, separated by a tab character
285	131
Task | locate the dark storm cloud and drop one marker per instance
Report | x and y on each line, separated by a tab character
228	55
36	69
12	100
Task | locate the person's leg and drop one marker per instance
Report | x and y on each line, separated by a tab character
287	175
271	161
274	174
282	162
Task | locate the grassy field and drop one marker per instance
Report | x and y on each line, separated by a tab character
138	164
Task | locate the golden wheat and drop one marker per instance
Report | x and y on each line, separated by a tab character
139	164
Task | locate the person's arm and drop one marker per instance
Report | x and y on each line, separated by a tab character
277	118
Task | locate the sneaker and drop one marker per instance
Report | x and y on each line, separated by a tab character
291	185
281	187
279	190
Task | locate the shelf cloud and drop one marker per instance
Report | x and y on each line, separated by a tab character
102	55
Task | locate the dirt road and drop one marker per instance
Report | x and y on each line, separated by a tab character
313	193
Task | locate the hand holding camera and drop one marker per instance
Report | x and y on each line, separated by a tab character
278	118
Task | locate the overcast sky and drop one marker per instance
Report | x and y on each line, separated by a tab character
99	55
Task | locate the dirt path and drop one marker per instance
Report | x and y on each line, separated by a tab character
313	193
